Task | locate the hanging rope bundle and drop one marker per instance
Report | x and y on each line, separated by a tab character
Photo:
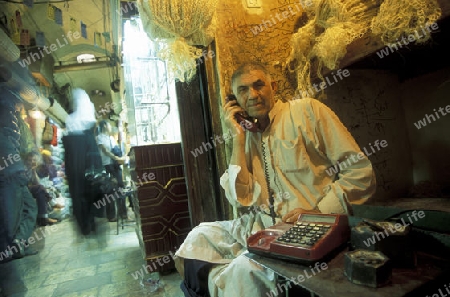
301	54
181	24
401	18
344	23
334	24
323	41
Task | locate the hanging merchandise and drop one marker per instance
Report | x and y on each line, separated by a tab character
51	12
12	26
181	24
15	34
83	30
73	25
24	37
47	134
58	16
54	141
18	19
40	39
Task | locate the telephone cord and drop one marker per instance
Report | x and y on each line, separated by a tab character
269	191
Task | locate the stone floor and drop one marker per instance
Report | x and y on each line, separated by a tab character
70	265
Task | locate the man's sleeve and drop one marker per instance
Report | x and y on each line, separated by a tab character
248	194
355	182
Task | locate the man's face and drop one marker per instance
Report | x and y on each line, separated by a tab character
32	161
255	93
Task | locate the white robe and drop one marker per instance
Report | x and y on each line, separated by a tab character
303	140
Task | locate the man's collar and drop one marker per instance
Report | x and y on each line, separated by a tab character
273	112
275	109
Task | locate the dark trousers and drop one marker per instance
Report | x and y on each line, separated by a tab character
119	207
82	155
18	211
42	198
195	282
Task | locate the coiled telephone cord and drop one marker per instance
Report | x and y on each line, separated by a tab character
269	191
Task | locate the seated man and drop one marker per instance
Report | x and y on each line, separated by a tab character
281	170
38	191
48	170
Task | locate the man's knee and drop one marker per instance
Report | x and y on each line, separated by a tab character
195	277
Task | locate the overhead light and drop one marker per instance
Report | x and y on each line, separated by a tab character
86	58
98	93
36	114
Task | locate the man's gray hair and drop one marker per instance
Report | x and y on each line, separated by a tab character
247	67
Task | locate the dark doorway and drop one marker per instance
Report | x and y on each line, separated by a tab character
200	152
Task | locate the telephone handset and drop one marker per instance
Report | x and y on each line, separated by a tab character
243	119
312	238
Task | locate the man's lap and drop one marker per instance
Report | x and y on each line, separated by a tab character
220	242
223	243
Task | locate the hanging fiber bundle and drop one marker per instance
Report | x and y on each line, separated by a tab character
400	18
323	41
181	24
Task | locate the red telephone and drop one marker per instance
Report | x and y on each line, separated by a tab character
314	237
246	121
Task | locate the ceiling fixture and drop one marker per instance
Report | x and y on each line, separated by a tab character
86	58
98	93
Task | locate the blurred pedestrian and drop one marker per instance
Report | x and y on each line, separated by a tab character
112	160
81	157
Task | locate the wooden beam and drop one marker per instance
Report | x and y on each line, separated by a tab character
82	66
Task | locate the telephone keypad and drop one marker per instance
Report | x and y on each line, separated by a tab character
304	234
